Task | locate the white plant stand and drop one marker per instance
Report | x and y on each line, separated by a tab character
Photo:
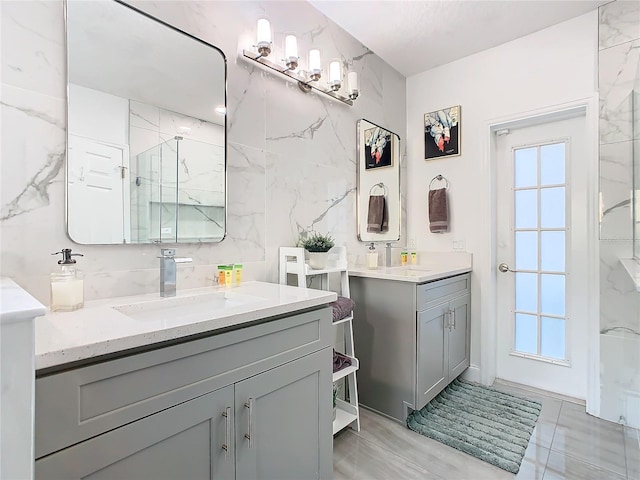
292	261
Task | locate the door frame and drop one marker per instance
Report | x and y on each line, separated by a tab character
489	326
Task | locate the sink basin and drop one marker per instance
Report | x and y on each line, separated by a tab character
408	271
205	305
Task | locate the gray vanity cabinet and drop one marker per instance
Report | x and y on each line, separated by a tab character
443	346
278	432
412	340
252	403
184	442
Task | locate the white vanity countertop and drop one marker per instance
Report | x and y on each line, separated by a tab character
434	267
16	305
99	328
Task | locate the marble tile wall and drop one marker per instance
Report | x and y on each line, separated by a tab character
291	156
619	75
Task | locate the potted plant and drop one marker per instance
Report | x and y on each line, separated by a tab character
317	245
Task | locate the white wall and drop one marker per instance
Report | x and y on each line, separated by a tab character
551	67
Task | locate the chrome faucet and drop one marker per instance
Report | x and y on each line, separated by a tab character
168	262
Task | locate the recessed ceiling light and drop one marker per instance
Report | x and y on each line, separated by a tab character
221	110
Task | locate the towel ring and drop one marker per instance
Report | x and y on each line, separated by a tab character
381	185
439	178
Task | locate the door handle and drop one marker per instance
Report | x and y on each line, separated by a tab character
227	432
249	434
504	268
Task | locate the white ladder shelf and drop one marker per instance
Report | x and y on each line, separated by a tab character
292	261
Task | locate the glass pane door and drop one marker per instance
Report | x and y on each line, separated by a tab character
540	242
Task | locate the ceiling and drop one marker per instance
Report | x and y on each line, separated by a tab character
414	36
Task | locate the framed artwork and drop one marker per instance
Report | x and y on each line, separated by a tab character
378	148
442	133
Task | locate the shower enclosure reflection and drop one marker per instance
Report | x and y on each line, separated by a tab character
194	211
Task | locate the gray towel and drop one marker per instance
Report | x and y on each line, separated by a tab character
342	308
438	214
378	215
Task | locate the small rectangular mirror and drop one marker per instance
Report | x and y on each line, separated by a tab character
146	158
378	183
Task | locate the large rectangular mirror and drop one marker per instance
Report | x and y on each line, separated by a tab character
146	159
378	183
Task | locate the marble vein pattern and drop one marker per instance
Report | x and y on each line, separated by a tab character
290	156
618	68
619	22
619	300
616	185
40	152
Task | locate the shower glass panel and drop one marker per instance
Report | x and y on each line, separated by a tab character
192	212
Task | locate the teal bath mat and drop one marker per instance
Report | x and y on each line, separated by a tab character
480	421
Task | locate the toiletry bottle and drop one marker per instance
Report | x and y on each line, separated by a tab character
67	286
372	257
413	253
237	270
228	275
403	258
221	269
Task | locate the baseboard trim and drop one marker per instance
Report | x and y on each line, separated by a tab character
472	374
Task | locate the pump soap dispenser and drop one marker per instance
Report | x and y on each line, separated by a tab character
67	286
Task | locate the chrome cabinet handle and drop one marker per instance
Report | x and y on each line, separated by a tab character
227	432
249	434
447	319
452	316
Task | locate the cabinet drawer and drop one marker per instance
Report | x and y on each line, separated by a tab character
433	293
78	404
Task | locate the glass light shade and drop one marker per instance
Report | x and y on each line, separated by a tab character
291	51
352	79
263	37
335	75
353	86
315	66
291	47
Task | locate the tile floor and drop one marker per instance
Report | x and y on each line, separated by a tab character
566	444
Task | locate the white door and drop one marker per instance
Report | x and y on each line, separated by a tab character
96	191
542	252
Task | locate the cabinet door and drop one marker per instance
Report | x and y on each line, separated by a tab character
284	421
459	336
432	368
182	442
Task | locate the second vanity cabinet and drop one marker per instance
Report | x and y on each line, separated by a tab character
247	404
412	340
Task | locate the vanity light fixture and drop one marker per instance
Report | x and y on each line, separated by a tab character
263	37
307	79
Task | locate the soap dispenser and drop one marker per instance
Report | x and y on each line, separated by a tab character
372	257
67	286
